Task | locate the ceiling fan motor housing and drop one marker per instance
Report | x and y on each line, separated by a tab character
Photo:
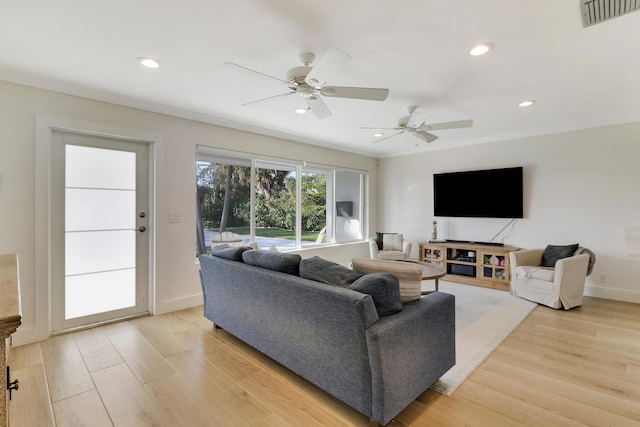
296	75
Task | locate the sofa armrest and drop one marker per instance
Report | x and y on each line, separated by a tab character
409	351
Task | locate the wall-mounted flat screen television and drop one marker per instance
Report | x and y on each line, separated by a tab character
489	193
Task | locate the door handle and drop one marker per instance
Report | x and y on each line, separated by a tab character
142	229
11	385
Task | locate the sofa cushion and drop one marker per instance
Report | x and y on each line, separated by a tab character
384	288
277	261
553	253
329	272
409	274
229	252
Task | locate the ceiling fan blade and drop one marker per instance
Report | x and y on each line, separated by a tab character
388	137
264	100
318	107
447	125
426	136
254	72
326	67
368	93
396	128
415	120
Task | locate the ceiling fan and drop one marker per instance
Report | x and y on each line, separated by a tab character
310	82
415	124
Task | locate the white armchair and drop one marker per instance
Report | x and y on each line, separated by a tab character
393	247
227	238
560	286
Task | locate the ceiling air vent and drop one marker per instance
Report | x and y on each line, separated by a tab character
596	11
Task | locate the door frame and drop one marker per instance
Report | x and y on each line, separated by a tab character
37	322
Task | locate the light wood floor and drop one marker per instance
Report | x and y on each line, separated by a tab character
575	368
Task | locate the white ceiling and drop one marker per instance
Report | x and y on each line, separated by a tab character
580	77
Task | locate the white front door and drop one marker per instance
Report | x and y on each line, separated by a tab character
100	229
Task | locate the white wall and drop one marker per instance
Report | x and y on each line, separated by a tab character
177	284
579	187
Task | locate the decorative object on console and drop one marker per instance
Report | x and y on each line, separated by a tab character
390	246
560	285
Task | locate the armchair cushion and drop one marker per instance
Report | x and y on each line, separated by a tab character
380	237
553	253
535	272
392	242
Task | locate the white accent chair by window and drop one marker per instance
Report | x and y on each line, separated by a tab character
554	276
392	247
227	238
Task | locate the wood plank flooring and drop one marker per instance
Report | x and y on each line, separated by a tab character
575	368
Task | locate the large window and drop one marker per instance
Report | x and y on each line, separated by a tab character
223	198
275	204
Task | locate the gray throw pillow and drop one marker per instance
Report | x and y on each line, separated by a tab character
277	261
229	252
329	272
384	288
553	253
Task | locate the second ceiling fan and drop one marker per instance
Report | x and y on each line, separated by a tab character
415	124
311	82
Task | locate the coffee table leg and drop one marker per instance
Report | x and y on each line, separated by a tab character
428	292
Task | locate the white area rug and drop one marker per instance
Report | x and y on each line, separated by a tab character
484	317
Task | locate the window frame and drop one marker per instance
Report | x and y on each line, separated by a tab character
207	153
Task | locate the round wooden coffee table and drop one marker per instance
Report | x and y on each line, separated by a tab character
429	272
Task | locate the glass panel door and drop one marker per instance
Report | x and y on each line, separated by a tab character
104	224
100	235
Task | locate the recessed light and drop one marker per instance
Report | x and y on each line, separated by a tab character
378	134
527	103
481	49
300	110
148	62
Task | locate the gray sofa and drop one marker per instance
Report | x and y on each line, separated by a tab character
331	335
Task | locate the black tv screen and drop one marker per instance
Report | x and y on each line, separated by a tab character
490	193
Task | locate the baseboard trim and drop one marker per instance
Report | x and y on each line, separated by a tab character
612	293
176	304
